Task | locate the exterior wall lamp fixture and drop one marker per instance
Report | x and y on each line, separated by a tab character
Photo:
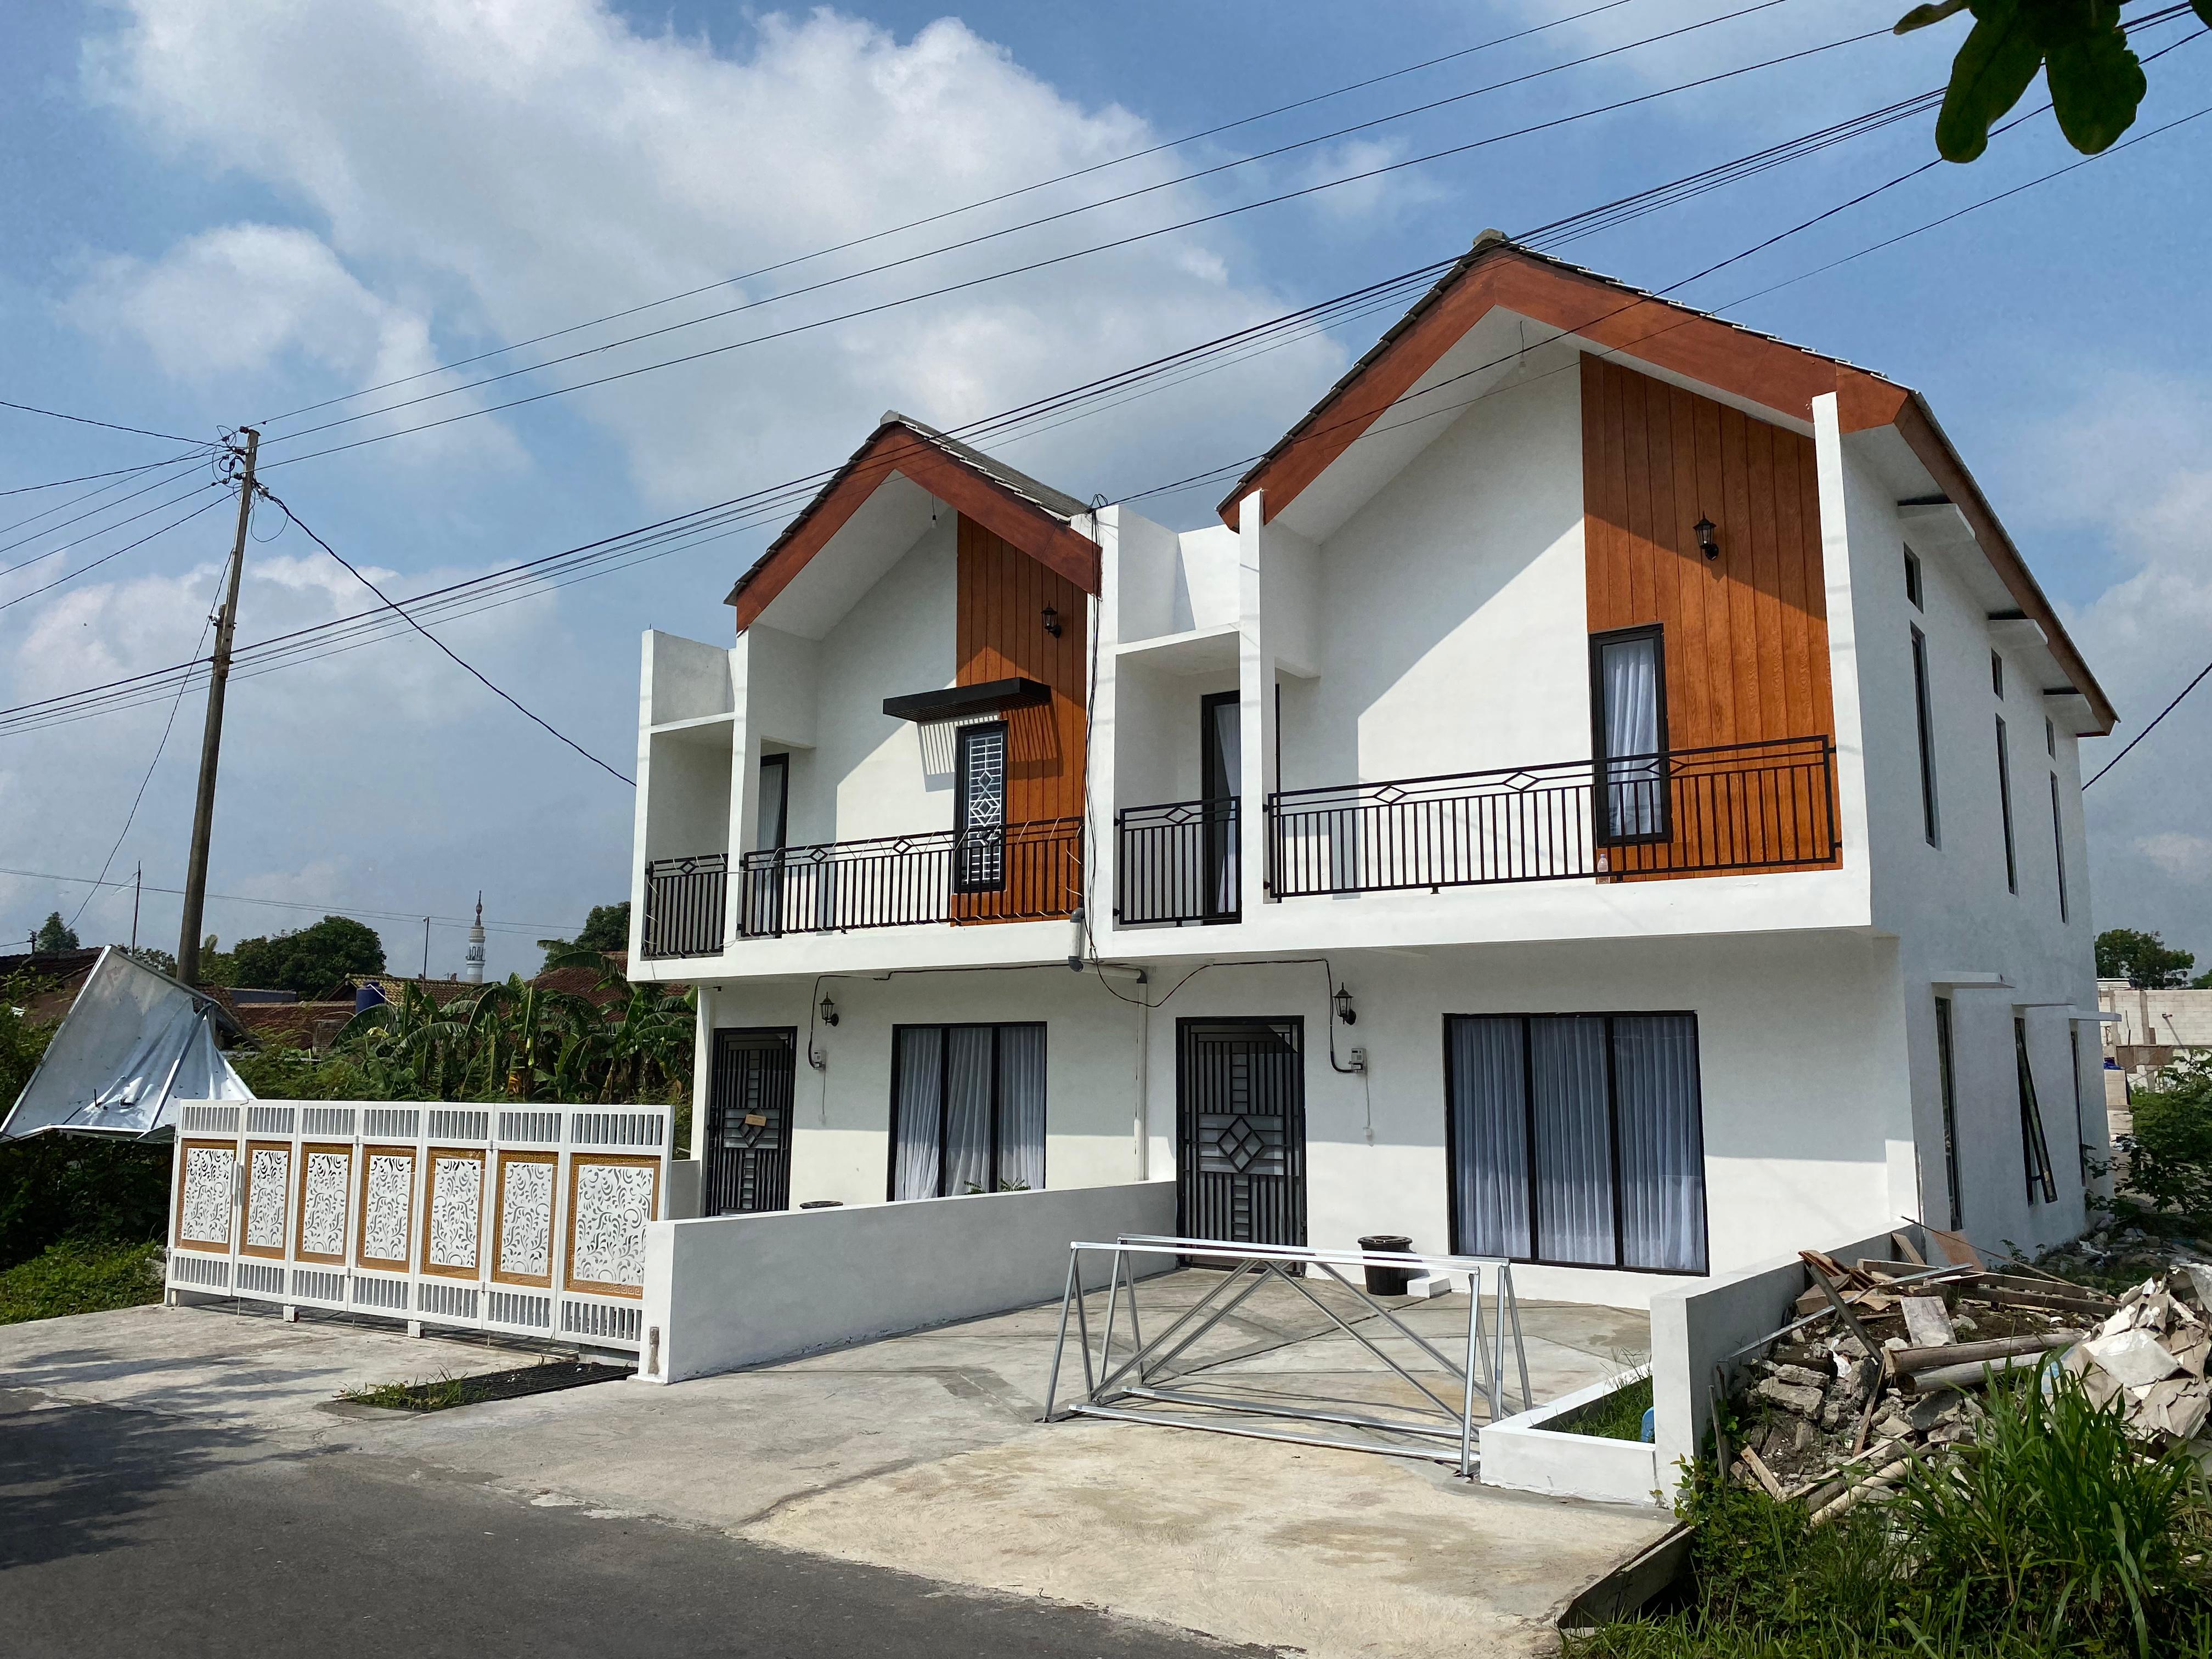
1051	622
829	1012
1706	545
1344	1011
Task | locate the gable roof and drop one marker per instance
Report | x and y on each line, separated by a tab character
1014	506
1631	323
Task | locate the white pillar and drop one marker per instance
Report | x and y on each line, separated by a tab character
1255	681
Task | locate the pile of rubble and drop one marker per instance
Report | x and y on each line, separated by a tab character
1884	1362
2123	1249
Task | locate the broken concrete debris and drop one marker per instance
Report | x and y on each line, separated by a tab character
1822	1421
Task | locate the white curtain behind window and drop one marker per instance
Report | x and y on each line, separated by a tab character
918	1108
1663	1172
1021	1107
967	1110
1489	1137
1574	1142
1628	671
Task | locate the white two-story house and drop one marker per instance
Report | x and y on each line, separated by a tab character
1605	794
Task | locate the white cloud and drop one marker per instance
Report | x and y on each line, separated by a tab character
2124	468
1389	194
517	167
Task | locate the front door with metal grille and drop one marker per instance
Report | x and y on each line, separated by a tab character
748	1143
1241	1131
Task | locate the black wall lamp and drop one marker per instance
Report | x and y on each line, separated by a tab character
1344	1011
1706	545
829	1012
1051	622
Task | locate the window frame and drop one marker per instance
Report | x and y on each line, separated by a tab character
1613	1131
1923	701
1996	674
779	763
1914	589
2058	852
2004	807
962	737
944	1028
2034	1145
1600	783
1946	1082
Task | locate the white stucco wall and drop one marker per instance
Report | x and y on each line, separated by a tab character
1948	905
842	1111
1801	1056
1451	616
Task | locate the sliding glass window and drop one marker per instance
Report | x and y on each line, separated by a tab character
967	1110
1576	1139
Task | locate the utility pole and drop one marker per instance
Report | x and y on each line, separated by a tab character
426	947
188	937
137	887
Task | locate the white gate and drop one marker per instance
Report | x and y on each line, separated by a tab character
527	1219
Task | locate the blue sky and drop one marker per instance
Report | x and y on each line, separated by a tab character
221	210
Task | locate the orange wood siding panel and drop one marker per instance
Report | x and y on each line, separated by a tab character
1000	635
1746	635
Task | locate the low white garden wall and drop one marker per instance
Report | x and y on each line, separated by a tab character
1692	1328
1524	1454
731	1291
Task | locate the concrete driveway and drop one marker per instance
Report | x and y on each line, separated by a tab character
922	1454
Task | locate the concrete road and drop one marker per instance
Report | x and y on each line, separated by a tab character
900	1492
129	1531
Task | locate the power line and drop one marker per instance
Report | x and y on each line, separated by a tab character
84	477
1051	261
2153	726
86	420
517	927
728	517
954	212
279	505
91	564
131	817
1031	224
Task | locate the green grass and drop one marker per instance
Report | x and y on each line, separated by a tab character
1615	1416
434	1393
2050	1536
74	1278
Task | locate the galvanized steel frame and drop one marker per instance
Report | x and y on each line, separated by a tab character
1478	1370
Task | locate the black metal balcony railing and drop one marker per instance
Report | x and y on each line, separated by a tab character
1024	872
1737	807
685	905
1179	862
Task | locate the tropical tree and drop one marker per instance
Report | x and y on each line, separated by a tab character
2096	79
54	936
606	929
2144	960
310	963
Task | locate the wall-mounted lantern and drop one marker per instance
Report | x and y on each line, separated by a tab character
1051	622
1344	1011
829	1012
1706	545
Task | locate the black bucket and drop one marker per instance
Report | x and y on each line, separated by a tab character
1387	1281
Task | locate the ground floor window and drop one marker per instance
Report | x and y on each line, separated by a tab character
967	1110
2035	1149
1576	1139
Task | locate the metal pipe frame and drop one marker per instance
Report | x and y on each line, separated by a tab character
1138	1374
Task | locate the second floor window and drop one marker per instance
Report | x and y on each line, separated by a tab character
1629	701
2004	807
979	809
1925	713
2058	846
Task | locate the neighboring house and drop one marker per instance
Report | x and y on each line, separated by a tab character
2147	1030
1605	794
54	977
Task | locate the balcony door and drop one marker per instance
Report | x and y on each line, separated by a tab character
1241	1131
1628	704
748	1145
766	878
1221	770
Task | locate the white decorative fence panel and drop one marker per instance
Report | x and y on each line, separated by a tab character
529	1220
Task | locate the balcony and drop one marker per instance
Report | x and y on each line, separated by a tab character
1688	811
1024	871
1178	863
685	903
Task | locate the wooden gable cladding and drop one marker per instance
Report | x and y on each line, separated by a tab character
898	449
1767	372
1744	636
1001	633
